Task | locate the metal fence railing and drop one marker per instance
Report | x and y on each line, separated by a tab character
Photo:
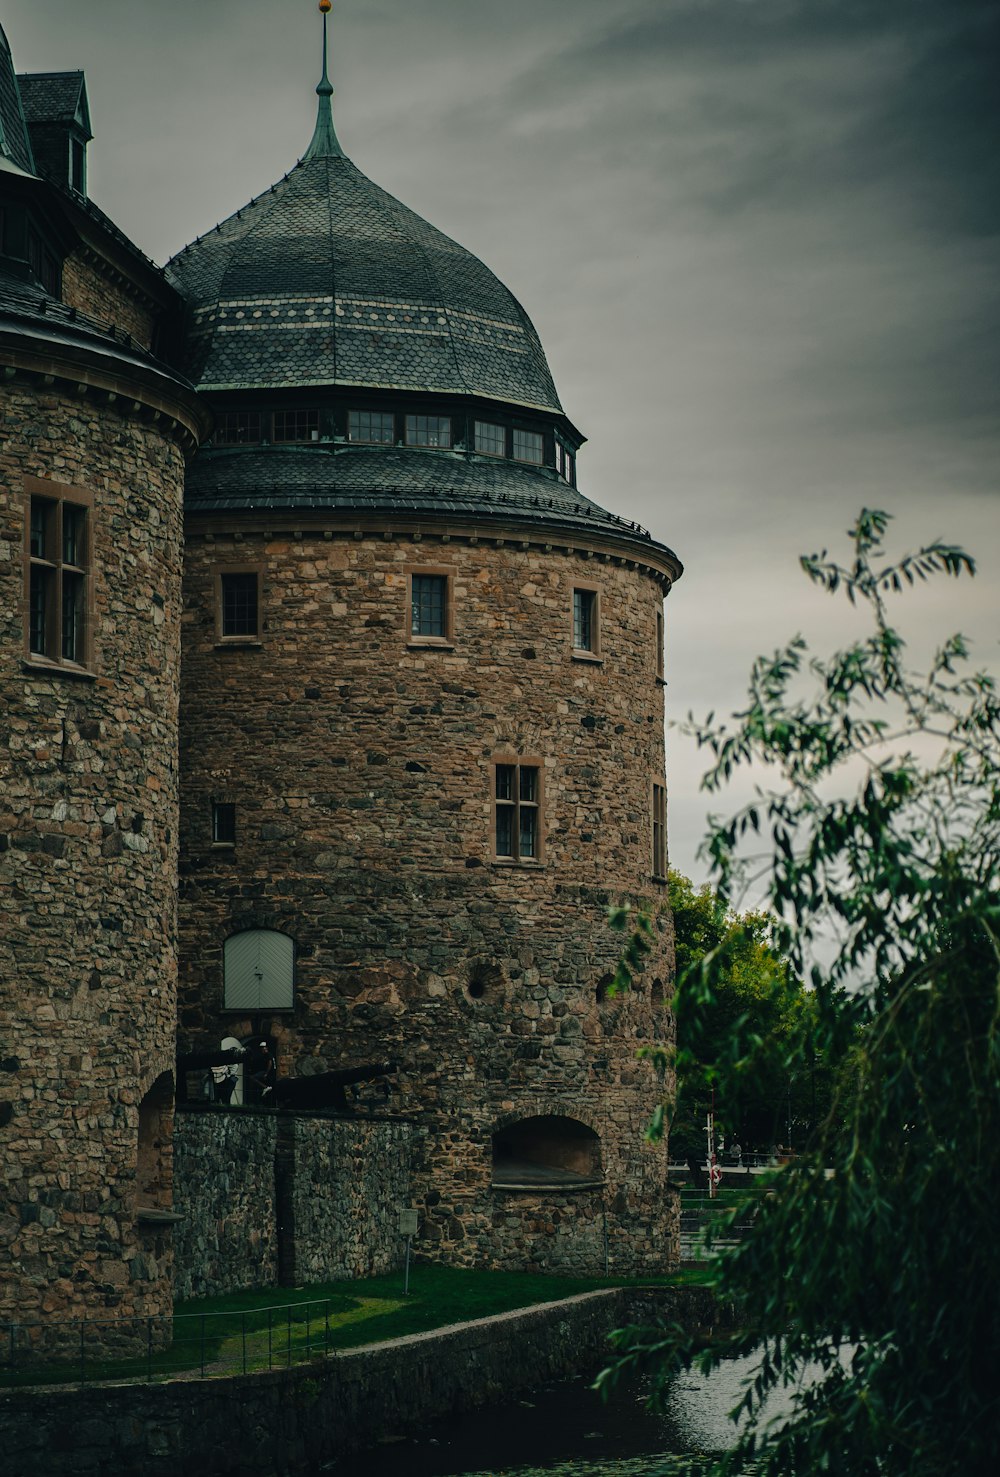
187	1345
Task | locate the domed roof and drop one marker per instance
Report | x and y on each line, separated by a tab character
329	280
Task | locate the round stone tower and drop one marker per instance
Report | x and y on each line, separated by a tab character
421	720
95	435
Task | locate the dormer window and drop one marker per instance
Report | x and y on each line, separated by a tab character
376	427
564	463
528	447
428	430
78	165
491	439
296	425
237	428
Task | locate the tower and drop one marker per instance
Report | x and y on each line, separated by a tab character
96	430
421	717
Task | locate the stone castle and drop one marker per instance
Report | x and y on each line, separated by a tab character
332	719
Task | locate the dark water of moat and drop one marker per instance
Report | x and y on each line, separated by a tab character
565	1430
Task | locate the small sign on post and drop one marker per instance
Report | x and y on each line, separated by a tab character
408	1222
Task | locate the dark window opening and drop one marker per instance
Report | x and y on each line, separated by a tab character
585	620
78	166
546	1152
223	823
602	992
44	266
528	447
428	430
375	426
491	439
58	576
517	795
296	425
237	428
659	831
429	605
240	604
659	641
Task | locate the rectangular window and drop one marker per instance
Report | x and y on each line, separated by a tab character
491	439
569	468
223	823
428	605
78	166
585	621
237	428
375	426
659	831
238	614
430	615
296	425
517	801
58	572
659	641
428	430
528	447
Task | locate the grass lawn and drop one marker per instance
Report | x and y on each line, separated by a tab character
278	1326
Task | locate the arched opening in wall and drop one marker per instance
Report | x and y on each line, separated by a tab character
656	994
602	992
259	971
547	1152
153	1175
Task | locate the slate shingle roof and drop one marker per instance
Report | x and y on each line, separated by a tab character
329	280
400	480
51	97
13	133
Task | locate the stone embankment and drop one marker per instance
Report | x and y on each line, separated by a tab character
280	1423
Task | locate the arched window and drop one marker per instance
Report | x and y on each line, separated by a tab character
259	967
546	1152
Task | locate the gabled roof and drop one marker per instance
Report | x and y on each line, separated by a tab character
14	142
55	97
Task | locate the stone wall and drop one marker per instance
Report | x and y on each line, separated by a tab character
361	768
88	857
93	293
351	1179
268	1198
303	1417
224	1192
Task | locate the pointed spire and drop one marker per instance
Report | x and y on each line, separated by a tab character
325	143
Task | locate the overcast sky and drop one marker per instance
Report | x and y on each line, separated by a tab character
759	239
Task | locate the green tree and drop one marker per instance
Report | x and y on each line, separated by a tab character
756	1006
872	1264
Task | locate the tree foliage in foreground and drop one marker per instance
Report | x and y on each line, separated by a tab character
873	1260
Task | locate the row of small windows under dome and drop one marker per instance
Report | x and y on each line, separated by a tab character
494	436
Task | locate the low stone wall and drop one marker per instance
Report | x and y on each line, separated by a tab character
284	1423
351	1181
224	1190
268	1198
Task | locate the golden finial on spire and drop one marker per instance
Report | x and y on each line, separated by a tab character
325	5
